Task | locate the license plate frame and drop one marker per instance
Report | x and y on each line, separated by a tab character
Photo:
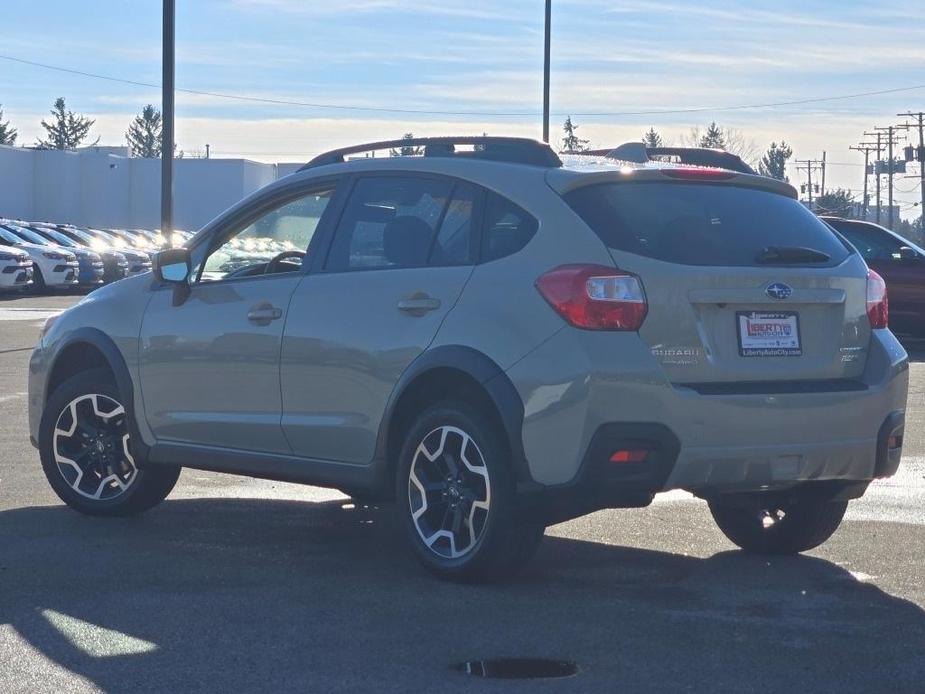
782	344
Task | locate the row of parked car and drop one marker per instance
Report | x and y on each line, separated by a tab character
42	256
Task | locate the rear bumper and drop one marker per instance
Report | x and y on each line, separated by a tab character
726	442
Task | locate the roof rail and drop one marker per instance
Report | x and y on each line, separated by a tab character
638	153
517	150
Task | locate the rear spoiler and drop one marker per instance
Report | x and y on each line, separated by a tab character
638	153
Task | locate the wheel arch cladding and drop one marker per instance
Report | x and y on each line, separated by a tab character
455	372
89	348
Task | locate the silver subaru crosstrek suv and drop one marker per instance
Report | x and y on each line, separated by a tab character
495	341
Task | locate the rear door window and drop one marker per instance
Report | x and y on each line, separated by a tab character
701	224
454	242
389	222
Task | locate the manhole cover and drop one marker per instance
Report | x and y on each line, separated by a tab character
518	668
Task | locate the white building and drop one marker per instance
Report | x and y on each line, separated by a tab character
103	186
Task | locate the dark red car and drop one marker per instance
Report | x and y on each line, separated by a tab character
901	264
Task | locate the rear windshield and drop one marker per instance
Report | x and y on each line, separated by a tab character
701	224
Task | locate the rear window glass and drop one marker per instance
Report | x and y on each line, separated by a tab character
700	224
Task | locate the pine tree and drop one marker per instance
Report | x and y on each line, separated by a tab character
144	134
406	150
713	138
652	138
7	134
67	130
774	163
839	203
571	142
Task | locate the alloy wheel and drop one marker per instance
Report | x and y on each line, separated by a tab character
91	447
449	492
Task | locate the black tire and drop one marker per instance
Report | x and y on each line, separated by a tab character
38	281
140	490
503	542
778	525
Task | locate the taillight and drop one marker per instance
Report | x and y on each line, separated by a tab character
878	306
595	297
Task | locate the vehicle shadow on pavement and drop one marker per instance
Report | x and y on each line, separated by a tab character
915	347
241	595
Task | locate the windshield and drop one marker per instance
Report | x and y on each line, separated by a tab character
30	236
57	237
9	237
87	237
108	236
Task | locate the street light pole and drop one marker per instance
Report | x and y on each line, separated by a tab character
546	74
167	113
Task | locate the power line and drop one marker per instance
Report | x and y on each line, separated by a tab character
379	109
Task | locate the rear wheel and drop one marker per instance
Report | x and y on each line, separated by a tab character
455	492
778	525
86	452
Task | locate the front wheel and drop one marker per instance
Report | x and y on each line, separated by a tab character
86	452
455	492
777	525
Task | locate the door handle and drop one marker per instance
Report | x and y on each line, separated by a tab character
418	304
264	313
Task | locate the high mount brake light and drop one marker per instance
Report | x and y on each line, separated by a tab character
699	174
878	305
595	297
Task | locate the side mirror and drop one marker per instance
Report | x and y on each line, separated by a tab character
906	253
172	265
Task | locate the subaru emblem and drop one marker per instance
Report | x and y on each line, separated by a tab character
779	290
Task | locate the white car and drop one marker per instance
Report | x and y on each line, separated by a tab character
52	266
15	268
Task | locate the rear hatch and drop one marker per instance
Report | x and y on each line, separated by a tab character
743	283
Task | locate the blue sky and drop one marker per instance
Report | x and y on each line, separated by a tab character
608	56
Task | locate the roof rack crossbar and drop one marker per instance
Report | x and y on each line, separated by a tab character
518	150
638	153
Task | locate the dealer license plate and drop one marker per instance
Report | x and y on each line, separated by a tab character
769	334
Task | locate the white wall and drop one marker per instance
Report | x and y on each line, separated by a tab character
99	187
17	174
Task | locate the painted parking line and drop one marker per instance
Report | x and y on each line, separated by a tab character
28	313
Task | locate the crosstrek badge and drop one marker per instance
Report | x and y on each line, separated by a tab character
769	334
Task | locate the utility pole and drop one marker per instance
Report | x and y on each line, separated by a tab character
890	141
167	111
879	137
207	150
867	148
920	158
808	165
546	72
822	187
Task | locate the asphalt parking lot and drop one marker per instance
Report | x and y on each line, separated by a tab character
237	584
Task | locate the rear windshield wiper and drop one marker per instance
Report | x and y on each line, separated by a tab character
790	255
